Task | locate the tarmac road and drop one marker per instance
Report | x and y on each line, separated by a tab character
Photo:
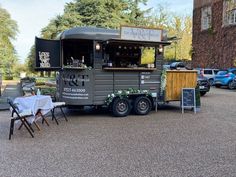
162	144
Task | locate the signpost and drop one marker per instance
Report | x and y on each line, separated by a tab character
188	99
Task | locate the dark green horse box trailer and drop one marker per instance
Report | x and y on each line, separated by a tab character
97	67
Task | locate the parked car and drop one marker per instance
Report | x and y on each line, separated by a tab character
208	73
167	67
204	84
233	84
177	65
225	78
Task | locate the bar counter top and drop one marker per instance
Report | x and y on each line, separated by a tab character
129	69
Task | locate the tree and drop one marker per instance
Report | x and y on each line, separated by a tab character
69	19
136	16
19	68
181	29
186	41
8	32
102	13
30	61
160	18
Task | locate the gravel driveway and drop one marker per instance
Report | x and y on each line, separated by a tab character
162	144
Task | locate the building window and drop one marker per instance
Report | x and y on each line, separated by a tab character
229	12
206	18
232	17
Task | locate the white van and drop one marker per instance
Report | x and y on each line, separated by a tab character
208	73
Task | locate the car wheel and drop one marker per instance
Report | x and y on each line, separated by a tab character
142	105
203	93
231	85
121	107
211	81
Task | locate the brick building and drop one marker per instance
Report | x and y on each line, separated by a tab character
214	33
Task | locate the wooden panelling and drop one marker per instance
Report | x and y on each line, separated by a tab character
176	80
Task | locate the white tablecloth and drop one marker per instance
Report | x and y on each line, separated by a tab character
35	103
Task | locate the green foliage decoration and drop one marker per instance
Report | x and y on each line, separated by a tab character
125	94
163	83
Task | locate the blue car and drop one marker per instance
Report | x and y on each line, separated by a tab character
225	78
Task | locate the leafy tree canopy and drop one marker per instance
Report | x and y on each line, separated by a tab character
8	32
102	13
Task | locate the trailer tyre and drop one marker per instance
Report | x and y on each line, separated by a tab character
121	107
142	105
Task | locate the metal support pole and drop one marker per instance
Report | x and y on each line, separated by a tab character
175	50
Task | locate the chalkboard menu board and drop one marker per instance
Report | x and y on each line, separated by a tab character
188	99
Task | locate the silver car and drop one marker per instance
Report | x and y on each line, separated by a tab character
208	73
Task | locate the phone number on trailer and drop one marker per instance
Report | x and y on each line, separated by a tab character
74	90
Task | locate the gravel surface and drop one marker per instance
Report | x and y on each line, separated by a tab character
162	144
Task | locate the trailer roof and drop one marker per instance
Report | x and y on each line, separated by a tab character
92	33
103	34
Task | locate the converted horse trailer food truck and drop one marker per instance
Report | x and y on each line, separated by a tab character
118	68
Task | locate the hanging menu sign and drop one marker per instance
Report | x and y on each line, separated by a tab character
188	99
141	34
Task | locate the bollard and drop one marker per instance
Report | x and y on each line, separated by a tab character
198	98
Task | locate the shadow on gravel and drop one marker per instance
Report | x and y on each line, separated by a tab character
103	111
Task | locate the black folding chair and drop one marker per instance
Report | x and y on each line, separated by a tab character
19	115
59	105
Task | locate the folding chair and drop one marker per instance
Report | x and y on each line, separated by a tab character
59	105
19	115
39	114
28	87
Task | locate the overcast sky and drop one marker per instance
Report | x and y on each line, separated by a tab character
33	15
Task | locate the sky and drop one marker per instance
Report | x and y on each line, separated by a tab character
33	15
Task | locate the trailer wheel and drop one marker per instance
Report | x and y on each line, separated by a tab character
142	105
121	107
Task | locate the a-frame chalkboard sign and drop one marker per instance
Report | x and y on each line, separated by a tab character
188	99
